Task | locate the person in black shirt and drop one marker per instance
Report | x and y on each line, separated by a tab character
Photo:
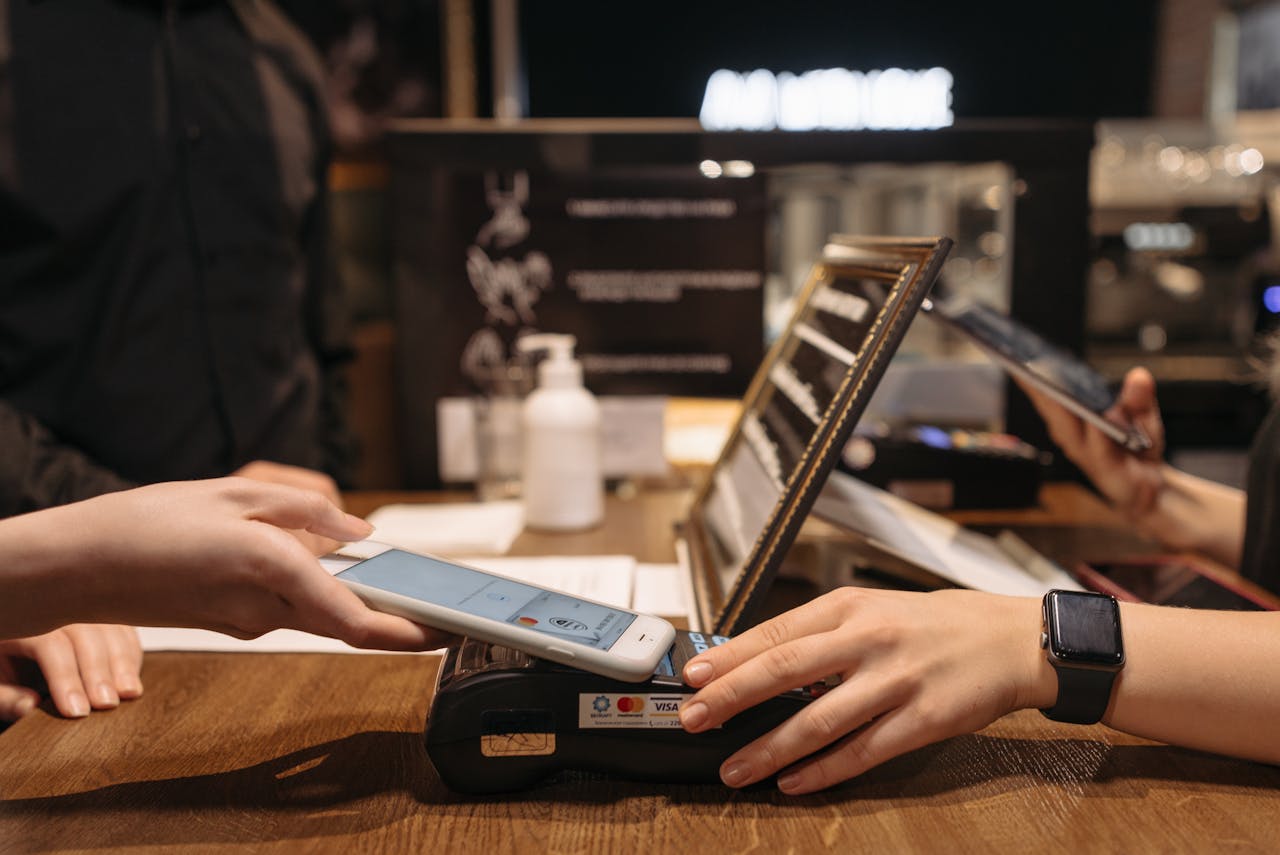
167	305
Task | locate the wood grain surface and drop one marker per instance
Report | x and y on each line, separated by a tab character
324	753
305	753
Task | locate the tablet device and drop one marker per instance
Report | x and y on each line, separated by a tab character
1052	370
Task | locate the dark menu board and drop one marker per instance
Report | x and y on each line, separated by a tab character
658	272
799	412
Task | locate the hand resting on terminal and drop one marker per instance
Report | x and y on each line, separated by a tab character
915	668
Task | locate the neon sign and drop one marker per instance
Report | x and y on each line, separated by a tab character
827	99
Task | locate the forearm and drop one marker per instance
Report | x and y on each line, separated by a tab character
47	577
1196	514
1200	679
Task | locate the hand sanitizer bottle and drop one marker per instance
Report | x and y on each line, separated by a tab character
563	485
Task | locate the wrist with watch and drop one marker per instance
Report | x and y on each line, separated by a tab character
1081	638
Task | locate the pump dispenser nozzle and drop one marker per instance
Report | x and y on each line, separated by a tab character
559	370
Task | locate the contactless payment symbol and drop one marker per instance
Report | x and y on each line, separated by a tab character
568	623
601	704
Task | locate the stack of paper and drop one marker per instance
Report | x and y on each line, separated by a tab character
471	528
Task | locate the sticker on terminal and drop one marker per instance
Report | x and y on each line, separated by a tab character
599	710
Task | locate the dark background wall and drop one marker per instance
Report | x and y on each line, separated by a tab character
585	58
1010	58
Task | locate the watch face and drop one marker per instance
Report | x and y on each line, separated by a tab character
1084	628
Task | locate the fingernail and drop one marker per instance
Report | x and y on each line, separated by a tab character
697	673
693	716
79	705
735	774
105	696
130	686
24	706
360	524
788	783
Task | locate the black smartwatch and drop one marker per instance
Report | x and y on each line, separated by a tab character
1081	637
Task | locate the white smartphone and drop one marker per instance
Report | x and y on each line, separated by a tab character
595	637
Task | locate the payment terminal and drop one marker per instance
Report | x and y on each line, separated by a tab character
502	720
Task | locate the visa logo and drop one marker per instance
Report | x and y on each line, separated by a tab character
667	706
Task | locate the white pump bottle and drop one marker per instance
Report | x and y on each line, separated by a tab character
563	485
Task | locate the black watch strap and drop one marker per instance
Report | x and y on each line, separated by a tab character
1083	695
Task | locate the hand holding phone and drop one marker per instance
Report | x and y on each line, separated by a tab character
596	637
1039	366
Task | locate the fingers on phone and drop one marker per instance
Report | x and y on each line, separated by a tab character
325	606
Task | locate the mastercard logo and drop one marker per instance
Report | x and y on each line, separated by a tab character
630	703
527	621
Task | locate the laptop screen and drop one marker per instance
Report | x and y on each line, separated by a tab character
798	413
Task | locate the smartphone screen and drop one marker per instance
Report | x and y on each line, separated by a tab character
1174	584
431	580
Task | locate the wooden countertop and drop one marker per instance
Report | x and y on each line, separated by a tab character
298	753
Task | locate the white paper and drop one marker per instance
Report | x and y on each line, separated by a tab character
631	440
156	638
697	443
660	591
937	544
466	528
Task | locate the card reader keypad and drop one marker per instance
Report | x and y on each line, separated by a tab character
687	646
690	644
